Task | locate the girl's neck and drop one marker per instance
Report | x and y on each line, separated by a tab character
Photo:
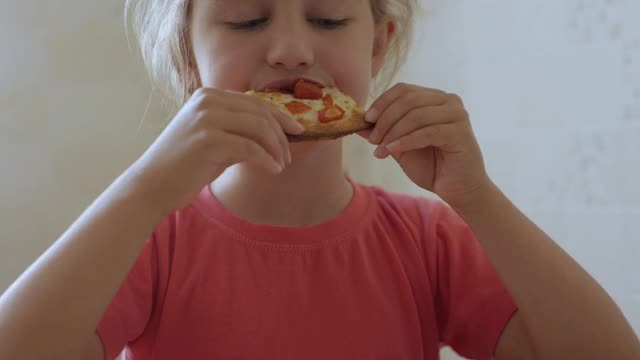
311	190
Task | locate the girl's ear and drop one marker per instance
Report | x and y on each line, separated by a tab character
384	33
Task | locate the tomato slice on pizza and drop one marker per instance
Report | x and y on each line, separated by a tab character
325	112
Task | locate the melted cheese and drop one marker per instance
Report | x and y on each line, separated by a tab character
280	99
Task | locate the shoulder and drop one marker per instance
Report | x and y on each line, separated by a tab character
422	208
424	218
427	219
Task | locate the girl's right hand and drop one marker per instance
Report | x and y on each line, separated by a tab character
214	130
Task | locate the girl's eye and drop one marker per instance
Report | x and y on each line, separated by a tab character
247	25
329	23
254	24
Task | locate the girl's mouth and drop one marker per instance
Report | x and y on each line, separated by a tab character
287	85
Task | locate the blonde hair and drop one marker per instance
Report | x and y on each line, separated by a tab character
162	30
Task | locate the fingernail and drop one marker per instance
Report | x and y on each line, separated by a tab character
299	126
380	151
289	157
277	167
371	115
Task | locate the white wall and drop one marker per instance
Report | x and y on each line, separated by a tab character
553	89
71	99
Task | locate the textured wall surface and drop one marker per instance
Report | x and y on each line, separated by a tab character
553	89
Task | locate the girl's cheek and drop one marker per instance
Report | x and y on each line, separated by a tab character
227	68
355	69
355	80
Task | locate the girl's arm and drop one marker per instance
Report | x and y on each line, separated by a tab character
566	314
563	313
52	310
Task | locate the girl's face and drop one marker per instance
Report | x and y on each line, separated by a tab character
245	44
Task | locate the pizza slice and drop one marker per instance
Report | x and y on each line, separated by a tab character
325	112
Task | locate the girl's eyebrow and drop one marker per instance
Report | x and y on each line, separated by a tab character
332	4
216	3
221	4
220	7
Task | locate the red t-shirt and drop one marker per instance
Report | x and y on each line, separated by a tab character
393	276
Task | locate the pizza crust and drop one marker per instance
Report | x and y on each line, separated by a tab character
352	121
332	130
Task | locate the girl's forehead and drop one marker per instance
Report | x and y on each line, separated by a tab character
225	4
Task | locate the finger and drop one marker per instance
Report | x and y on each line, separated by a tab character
275	135
398	109
382	102
208	91
287	122
281	123
437	135
256	128
416	119
276	127
250	117
388	97
237	149
241	103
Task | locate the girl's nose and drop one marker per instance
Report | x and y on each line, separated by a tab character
291	47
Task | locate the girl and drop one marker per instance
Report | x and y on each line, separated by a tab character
224	241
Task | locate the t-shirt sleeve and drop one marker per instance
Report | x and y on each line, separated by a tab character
473	305
130	309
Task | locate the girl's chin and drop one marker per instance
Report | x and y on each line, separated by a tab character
306	147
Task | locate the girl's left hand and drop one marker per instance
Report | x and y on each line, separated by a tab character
428	132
